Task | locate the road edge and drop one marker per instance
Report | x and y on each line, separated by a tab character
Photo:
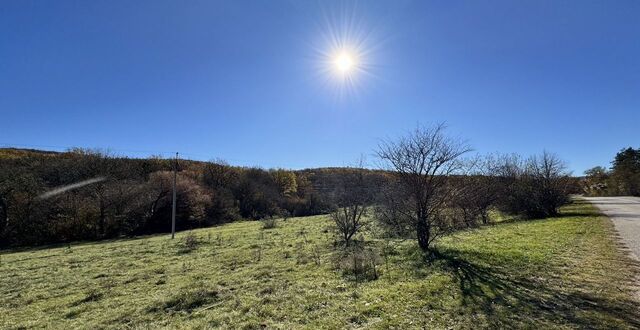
622	248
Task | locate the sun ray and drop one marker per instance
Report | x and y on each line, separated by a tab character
344	57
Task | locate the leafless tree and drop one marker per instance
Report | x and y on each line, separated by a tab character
351	198
477	191
422	161
389	210
534	187
550	177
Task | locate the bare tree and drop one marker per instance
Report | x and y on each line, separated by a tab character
535	187
550	178
422	162
477	191
389	209
351	198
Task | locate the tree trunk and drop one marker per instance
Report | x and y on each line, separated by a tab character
485	218
4	216
101	221
423	231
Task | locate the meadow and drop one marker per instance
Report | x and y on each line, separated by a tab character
563	272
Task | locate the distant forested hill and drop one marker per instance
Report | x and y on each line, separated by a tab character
130	196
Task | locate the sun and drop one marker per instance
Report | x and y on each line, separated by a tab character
344	56
345	62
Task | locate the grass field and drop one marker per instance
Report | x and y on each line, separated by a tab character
565	272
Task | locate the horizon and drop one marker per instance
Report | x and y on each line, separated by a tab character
366	166
252	83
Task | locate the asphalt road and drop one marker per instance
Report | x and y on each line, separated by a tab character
625	215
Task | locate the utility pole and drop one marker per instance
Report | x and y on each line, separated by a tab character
173	207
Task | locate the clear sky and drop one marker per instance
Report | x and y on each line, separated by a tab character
249	82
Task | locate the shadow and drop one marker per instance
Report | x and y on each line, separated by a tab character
570	214
615	203
561	215
623	215
511	300
95	242
76	244
580	201
569	210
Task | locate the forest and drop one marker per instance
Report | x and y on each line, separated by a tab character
81	194
129	197
622	179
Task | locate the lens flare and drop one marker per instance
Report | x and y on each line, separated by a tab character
345	63
344	51
63	189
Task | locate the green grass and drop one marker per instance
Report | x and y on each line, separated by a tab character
565	272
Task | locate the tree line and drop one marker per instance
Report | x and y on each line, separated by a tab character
427	185
621	179
129	197
432	189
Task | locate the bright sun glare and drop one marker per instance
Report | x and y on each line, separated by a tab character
344	53
344	62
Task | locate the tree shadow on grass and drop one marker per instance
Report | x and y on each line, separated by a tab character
567	212
574	214
579	201
508	299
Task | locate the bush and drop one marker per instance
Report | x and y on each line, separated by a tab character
535	188
269	222
358	262
190	242
92	295
187	301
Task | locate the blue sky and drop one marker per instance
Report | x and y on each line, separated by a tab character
247	81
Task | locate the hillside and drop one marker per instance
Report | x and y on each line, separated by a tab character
8	153
127	197
556	273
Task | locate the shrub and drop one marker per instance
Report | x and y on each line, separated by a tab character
352	195
358	262
269	222
190	242
92	295
420	164
187	301
534	188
